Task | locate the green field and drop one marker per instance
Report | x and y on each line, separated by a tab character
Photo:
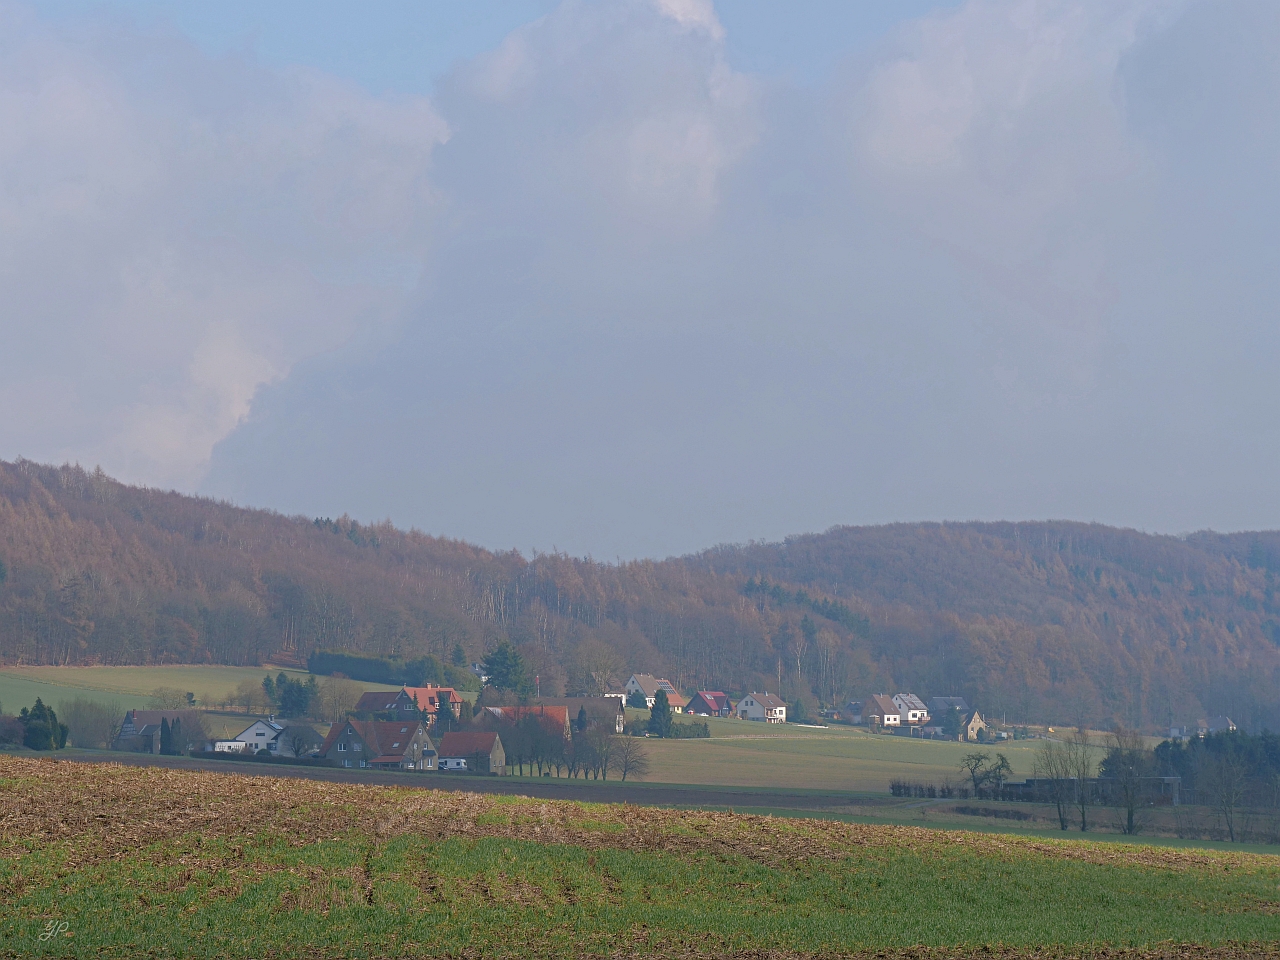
742	753
155	862
130	686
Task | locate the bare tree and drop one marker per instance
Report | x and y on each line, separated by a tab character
1126	763
338	696
1081	752
1226	779
630	757
91	723
168	698
1053	764
602	747
975	764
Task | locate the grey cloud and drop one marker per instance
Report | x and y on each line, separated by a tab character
1016	262
973	277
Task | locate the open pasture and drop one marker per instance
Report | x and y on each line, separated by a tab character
742	753
131	686
127	861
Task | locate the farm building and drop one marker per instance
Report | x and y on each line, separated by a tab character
555	717
604	711
881	711
913	710
762	706
381	744
710	703
649	686
474	752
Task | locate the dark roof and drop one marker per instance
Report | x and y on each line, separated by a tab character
943	704
382	737
715	700
468	743
142	718
881	705
376	701
767	700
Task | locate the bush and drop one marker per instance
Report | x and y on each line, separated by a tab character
41	729
689	731
11	730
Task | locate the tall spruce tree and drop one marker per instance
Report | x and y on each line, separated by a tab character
660	715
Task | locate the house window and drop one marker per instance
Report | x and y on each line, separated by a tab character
396	744
342	747
346	763
356	746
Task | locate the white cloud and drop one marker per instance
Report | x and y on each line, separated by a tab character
177	232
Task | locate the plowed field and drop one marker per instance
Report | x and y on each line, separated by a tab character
104	860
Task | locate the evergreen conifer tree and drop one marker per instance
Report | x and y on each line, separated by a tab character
660	715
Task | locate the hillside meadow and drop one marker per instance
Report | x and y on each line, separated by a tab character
120	862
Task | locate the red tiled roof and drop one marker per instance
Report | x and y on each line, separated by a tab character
715	700
557	715
426	697
467	743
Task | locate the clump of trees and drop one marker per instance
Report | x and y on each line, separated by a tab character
41	728
1234	774
289	697
92	724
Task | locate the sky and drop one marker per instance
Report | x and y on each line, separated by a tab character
630	278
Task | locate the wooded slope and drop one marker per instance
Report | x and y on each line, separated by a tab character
1036	621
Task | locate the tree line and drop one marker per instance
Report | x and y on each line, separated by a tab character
1034	622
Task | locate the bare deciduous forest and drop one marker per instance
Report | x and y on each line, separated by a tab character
1032	621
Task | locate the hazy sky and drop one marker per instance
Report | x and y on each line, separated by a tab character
634	277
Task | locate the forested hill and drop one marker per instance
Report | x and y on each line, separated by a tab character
1033	621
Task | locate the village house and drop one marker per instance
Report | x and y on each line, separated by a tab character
852	712
407	702
380	744
939	706
912	709
554	717
140	732
258	735
710	703
1215	725
428	699
762	706
473	752
382	701
607	712
649	686
971	725
881	711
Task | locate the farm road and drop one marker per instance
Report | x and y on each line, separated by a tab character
548	788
